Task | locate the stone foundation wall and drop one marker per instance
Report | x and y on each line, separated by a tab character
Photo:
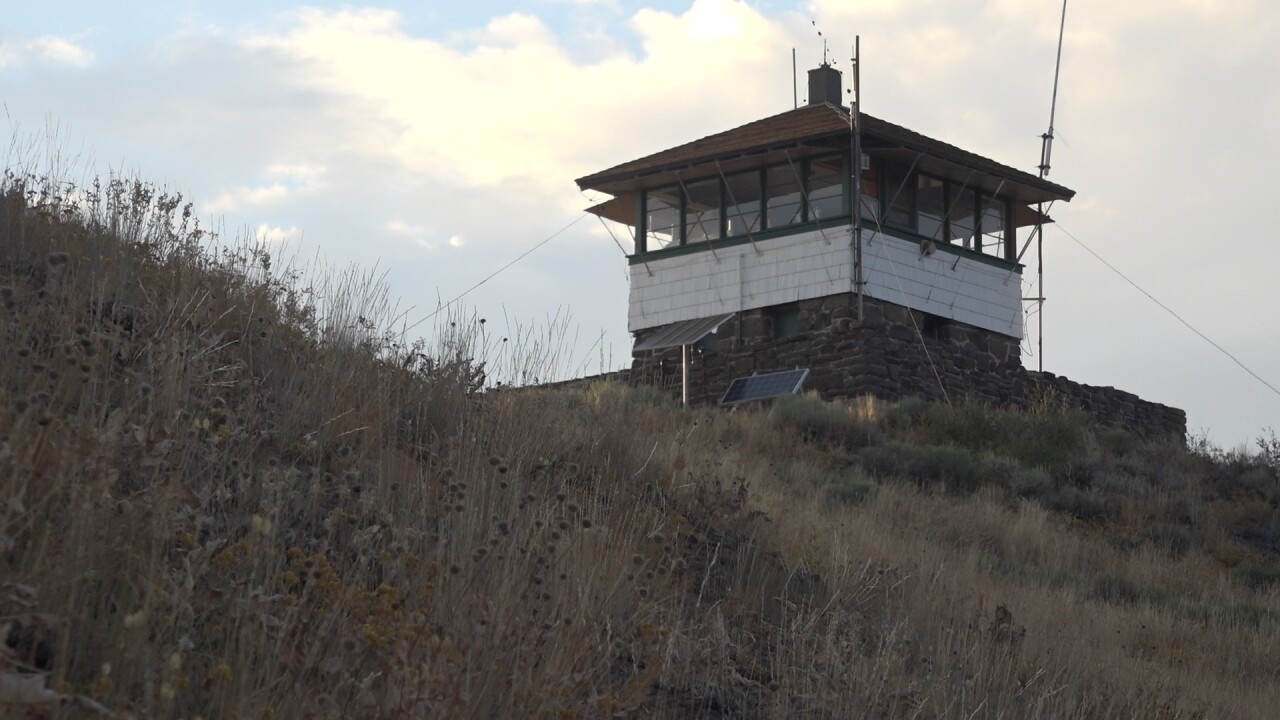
883	356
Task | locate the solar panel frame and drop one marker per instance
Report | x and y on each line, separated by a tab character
764	387
685	332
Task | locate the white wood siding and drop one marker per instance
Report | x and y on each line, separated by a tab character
952	286
815	264
702	284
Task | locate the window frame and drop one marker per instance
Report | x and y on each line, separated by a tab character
1004	250
801	166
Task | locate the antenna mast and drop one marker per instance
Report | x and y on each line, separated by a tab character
1046	152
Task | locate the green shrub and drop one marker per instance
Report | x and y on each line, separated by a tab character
1258	577
1118	442
1260	479
959	470
1031	483
1173	539
1079	504
1250	615
853	492
1118	588
1048	436
905	414
1078	471
1050	440
1269	449
817	419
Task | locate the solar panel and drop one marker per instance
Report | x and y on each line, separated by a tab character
686	332
763	387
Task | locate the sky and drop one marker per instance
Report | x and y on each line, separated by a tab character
436	142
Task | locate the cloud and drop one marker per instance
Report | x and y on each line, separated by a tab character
277	235
44	49
285	181
512	103
244	197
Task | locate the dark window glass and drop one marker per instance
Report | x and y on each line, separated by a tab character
742	196
782	193
707	343
993	226
930	207
785	320
702	211
826	188
962	217
662	218
900	194
935	327
871	192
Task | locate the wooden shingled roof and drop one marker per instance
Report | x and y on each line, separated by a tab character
803	126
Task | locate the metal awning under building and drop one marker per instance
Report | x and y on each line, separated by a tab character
686	332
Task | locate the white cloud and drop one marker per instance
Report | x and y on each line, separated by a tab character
400	227
44	49
418	234
277	235
306	175
286	180
514	104
244	198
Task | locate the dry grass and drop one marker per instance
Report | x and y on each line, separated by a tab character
226	496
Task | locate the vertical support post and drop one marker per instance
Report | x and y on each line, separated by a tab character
1040	289
684	376
855	157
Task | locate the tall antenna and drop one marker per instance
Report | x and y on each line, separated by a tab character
795	86
825	54
1046	152
1046	145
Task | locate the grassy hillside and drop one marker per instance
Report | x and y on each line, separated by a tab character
229	495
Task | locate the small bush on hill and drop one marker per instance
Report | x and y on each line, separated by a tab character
825	421
959	470
1258	577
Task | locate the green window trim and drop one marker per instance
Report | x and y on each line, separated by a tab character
803	167
840	222
889	176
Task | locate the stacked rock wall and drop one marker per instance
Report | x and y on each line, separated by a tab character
885	355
